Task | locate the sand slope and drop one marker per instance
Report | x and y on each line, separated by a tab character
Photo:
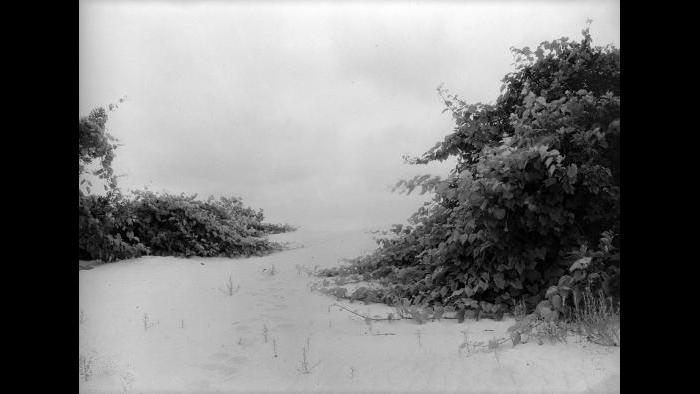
162	324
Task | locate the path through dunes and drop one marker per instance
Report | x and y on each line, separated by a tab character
160	324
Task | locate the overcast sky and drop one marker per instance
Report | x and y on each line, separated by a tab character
303	109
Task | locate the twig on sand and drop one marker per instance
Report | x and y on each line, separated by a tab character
390	318
366	317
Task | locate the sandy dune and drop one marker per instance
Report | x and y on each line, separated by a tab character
162	324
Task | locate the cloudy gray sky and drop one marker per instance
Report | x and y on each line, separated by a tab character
303	109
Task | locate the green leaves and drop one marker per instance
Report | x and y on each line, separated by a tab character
537	175
499	213
116	227
580	264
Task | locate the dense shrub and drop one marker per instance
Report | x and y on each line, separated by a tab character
101	224
535	189
117	227
114	226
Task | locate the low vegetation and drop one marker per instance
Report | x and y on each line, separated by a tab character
529	219
115	226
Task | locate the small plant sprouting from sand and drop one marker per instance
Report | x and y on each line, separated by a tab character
418	334
494	345
240	341
146	322
469	347
230	289
466	345
271	270
274	347
304	366
352	372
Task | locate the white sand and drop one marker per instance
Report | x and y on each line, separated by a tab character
199	339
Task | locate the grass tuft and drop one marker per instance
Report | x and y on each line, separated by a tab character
598	319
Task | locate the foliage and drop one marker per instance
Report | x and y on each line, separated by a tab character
598	318
95	144
102	221
114	226
592	314
535	188
275	228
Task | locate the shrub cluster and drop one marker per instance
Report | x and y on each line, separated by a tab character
114	226
535	189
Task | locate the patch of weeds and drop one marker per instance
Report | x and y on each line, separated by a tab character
418	314
597	318
469	347
494	344
86	366
593	316
551	331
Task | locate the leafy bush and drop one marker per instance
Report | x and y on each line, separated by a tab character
114	227
95	144
535	188
101	224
